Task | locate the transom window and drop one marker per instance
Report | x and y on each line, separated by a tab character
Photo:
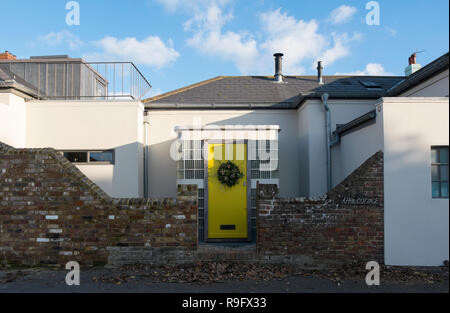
90	157
439	172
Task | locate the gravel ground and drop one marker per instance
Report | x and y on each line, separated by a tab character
227	278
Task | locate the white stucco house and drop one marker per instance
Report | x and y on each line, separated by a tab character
313	131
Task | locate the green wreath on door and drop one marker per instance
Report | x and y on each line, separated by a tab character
229	174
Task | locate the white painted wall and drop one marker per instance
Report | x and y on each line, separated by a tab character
357	147
94	125
162	169
12	120
437	86
313	113
416	226
304	157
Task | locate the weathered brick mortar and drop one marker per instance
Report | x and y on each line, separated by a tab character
50	213
345	225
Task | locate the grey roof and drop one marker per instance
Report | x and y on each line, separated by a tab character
437	66
264	92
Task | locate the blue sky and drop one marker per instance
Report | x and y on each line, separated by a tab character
180	42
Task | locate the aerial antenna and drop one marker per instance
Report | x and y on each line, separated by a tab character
412	58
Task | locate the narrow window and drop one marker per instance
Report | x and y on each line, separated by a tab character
101	157
90	157
263	155
76	157
192	164
439	172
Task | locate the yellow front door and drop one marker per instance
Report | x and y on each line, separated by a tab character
227	206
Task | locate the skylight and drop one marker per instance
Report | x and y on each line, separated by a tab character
370	84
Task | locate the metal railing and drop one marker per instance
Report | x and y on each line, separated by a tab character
79	80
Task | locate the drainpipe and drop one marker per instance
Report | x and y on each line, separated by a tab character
325	98
146	126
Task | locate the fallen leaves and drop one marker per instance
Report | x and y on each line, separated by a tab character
221	272
204	273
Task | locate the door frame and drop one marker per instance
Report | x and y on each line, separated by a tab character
206	188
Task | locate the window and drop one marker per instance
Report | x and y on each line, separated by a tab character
90	157
263	156
76	157
439	172
192	164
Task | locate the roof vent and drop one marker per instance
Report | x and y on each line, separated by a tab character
278	67
370	84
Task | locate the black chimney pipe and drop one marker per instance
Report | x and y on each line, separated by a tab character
319	72
278	67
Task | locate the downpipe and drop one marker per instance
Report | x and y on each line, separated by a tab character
146	126
325	98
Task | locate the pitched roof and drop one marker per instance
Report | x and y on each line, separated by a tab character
264	92
434	68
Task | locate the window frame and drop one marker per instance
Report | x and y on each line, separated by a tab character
256	171
88	155
439	164
192	154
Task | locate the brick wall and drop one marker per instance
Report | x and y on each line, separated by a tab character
50	213
345	225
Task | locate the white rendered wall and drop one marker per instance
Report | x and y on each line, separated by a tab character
94	125
342	112
416	226
304	157
162	169
437	86
357	147
12	120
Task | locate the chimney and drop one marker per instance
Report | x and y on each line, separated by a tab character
413	66
278	67
7	56
319	72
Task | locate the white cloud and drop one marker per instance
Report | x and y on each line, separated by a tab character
301	41
391	31
297	39
372	69
340	48
61	37
209	38
151	51
170	5
342	14
190	5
